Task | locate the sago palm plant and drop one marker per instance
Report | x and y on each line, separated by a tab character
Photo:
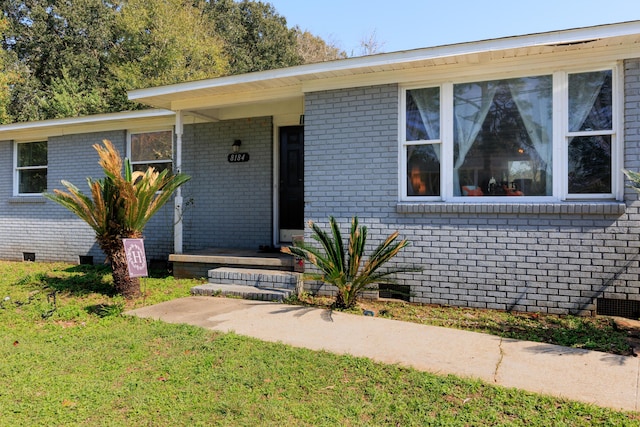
349	272
634	177
119	207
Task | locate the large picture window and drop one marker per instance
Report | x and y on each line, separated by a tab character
151	149
502	137
31	168
499	139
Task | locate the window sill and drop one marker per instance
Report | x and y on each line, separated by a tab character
38	199
547	208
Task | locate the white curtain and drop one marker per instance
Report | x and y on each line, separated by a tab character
424	98
533	97
584	88
471	104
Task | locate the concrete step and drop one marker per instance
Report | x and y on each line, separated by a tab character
242	291
270	279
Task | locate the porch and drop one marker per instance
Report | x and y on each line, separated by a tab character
197	263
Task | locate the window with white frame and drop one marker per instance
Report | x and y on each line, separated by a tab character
151	149
550	135
30	168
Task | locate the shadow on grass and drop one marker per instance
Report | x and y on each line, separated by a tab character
78	280
82	280
87	279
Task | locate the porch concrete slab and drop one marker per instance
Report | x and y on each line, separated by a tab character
224	256
593	377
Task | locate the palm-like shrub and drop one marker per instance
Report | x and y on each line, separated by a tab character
119	207
634	177
349	272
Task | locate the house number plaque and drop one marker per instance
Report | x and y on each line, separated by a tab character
238	157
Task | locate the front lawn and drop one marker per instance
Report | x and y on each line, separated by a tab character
69	357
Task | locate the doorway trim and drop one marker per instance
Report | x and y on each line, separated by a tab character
278	122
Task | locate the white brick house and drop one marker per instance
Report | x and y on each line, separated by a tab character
500	160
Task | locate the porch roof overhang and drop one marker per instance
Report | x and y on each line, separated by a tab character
282	90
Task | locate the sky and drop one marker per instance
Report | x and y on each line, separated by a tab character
410	24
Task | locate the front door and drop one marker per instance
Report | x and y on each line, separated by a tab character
291	199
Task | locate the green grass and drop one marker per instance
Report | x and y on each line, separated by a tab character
78	361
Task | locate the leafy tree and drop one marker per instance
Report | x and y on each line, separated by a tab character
164	42
8	77
52	37
67	97
350	274
256	36
76	58
119	207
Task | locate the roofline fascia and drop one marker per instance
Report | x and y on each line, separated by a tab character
98	118
575	35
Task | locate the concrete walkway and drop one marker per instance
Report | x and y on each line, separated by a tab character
599	378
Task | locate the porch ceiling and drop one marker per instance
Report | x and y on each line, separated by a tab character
283	89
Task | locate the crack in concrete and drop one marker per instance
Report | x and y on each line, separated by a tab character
495	373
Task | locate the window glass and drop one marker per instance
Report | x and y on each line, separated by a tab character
590	113
590	101
590	164
423	170
498	138
423	114
503	137
32	181
159	167
31	167
32	154
151	146
152	149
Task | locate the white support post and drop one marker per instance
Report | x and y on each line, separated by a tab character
177	163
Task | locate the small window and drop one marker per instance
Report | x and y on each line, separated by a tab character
31	167
590	131
151	149
422	142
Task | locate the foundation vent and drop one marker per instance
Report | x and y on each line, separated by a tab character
401	292
618	307
85	259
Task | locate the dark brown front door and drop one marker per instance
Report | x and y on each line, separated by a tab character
291	179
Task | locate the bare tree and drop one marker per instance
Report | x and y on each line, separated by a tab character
370	45
314	49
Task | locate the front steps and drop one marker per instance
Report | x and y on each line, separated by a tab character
249	283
